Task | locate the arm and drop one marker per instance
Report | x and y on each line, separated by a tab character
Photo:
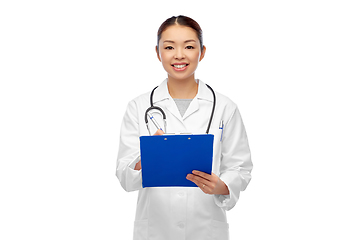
236	165
129	151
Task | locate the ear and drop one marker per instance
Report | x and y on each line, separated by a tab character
157	53
202	53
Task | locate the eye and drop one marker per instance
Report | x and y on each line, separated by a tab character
190	47
169	47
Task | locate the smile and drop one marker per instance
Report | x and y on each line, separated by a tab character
180	67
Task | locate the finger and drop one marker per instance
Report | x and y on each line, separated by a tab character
205	186
202	174
201	185
159	132
200	180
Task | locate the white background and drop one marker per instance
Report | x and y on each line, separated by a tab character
69	68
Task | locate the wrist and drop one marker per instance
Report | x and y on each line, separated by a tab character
223	190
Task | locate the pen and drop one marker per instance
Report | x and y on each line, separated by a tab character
222	129
154	121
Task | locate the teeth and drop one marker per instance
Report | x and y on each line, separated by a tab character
180	66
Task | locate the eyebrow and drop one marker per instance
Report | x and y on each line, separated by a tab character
170	41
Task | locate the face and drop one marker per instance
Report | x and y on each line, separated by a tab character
179	52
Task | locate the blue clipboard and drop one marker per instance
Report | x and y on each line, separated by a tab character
167	159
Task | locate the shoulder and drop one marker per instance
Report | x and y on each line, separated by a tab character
142	98
139	103
228	109
145	97
224	102
221	99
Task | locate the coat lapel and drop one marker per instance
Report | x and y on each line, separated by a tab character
193	107
204	93
162	94
173	109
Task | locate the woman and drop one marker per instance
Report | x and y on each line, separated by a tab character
168	213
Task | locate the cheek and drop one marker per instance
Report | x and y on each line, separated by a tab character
165	58
195	56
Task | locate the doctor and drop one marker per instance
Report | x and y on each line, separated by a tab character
176	213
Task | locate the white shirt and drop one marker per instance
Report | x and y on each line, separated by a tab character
174	213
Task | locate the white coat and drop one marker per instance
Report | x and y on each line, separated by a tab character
174	213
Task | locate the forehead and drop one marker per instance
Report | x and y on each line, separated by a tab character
179	33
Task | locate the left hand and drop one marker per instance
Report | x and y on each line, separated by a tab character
209	184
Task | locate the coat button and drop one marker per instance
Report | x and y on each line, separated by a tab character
181	225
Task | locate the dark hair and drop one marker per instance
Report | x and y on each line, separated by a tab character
183	21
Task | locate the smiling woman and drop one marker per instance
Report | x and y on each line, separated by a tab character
165	213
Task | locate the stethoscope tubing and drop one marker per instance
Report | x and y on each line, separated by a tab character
213	109
152	107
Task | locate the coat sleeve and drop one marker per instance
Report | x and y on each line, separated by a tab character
236	164
129	151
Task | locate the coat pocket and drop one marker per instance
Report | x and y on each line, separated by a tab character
141	230
220	230
217	151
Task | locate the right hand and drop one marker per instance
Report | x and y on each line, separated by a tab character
138	164
159	132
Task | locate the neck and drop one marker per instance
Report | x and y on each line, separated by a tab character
184	89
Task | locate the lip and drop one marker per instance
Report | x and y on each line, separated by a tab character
180	69
179	63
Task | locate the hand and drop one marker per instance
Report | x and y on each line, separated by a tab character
209	184
138	164
159	132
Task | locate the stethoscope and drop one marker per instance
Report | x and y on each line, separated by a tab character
152	107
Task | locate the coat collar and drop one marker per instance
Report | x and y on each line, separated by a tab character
162	92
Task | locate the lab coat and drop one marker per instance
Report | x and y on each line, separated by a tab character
186	213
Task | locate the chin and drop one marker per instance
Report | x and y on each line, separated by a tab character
181	78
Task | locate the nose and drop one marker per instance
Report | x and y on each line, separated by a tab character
179	54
